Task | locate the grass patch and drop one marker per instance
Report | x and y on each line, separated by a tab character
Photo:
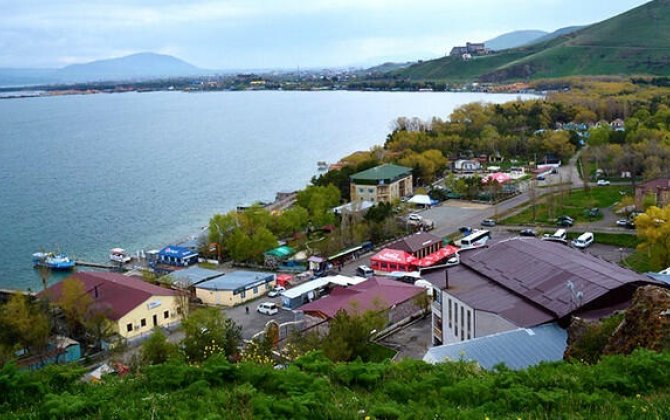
573	203
638	261
620	240
379	353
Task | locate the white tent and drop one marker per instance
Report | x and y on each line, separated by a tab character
421	199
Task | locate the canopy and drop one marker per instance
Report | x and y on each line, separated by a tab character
435	257
394	256
421	199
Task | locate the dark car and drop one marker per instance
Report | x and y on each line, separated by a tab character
488	223
565	221
528	232
594	212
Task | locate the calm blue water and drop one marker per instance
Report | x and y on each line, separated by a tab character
84	174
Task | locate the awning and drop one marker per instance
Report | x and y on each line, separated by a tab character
394	256
421	199
499	177
436	257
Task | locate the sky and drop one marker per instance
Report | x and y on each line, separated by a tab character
267	34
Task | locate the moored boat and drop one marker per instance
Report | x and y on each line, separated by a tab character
53	261
119	255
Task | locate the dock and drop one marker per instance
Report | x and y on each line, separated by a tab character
97	265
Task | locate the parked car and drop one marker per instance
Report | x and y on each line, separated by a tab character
488	223
528	232
584	241
594	212
626	223
602	182
540	177
565	221
268	308
364	271
276	291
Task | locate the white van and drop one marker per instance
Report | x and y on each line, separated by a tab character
584	240
364	271
559	236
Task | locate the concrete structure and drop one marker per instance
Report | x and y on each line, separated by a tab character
658	188
516	349
235	288
523	283
134	306
383	183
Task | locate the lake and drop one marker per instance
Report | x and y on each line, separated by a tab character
87	173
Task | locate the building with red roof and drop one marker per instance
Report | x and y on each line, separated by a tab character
374	294
134	306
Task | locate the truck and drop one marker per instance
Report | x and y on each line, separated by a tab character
419	222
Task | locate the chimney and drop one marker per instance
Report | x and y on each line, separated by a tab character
95	292
446	278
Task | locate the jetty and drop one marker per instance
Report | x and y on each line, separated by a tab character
98	265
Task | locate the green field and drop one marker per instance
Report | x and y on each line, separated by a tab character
573	203
634	43
620	240
639	261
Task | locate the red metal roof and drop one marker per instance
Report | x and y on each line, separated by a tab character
374	294
395	256
435	257
116	294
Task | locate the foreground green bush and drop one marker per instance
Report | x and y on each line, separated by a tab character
636	386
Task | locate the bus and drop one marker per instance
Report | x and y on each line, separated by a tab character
476	239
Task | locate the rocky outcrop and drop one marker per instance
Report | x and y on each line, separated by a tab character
646	323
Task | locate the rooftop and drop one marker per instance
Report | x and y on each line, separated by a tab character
415	242
193	275
375	293
517	349
386	172
237	280
113	294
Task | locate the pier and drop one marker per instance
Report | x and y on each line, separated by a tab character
99	265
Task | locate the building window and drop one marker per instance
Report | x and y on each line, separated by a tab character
243	294
449	306
143	322
166	314
469	323
256	290
267	286
370	190
129	327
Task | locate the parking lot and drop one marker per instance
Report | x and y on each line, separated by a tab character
253	322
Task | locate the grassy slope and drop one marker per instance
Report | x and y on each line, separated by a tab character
636	42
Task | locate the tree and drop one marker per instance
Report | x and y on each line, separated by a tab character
261	241
24	325
653	228
349	334
206	332
157	349
75	302
292	220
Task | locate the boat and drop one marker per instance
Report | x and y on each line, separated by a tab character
322	165
119	255
53	261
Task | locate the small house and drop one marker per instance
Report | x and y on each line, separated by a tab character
235	288
177	256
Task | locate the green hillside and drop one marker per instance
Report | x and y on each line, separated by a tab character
634	43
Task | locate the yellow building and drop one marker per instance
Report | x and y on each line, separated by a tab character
133	306
383	183
235	288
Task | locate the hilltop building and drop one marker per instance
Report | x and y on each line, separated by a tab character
383	183
524	283
470	49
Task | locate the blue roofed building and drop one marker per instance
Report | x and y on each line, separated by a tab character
516	349
235	288
177	256
189	277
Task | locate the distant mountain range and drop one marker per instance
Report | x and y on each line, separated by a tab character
520	38
636	42
142	66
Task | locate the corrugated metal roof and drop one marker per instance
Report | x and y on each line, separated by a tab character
517	349
415	242
192	275
237	280
382	172
542	272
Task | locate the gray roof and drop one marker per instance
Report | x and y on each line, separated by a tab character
540	271
517	349
485	295
193	275
238	280
415	242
